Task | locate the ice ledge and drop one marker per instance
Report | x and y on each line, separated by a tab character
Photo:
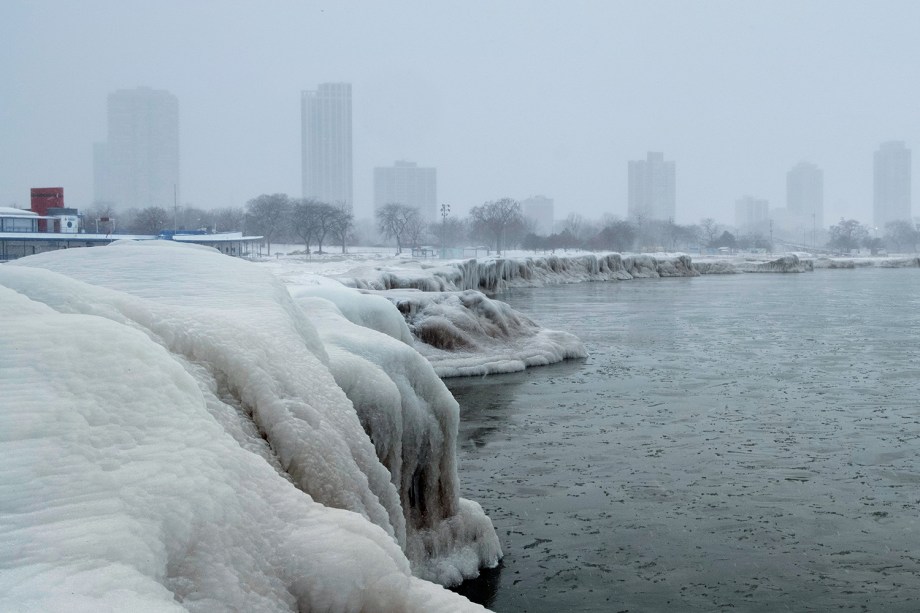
495	274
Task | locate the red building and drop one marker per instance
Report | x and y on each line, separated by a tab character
44	198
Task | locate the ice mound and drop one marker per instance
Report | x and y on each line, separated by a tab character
467	333
868	262
491	275
789	263
395	390
173	438
786	263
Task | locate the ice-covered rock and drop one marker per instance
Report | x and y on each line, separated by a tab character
173	435
786	263
491	275
868	262
789	263
467	333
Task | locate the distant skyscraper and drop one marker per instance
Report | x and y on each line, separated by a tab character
406	183
539	209
751	212
138	166
892	184
326	143
805	194
652	188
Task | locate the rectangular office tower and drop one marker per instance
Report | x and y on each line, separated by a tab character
539	210
406	183
652	189
805	195
892	184
752	214
138	166
326	143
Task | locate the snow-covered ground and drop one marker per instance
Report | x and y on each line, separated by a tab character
178	430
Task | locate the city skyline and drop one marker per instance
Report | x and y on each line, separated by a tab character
715	92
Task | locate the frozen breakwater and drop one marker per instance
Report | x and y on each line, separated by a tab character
789	263
180	432
492	275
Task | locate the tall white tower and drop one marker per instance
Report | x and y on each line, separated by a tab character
138	167
326	143
652	188
892	184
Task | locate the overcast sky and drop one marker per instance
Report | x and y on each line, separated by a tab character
503	98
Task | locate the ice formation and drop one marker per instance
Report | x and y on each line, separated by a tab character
885	262
491	275
176	434
467	333
789	262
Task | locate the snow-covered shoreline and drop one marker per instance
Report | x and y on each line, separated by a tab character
182	432
491	275
463	331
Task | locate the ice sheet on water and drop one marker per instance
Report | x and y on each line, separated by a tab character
148	385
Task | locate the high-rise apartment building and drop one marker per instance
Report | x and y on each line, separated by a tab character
652	189
326	143
805	195
539	209
138	165
892	184
407	183
751	213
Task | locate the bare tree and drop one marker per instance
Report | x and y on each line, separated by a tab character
268	215
847	235
415	231
303	221
393	221
150	220
452	231
710	230
901	235
493	220
229	219
342	223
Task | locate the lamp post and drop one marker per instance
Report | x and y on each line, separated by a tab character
445	211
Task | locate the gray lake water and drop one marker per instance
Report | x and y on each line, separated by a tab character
746	442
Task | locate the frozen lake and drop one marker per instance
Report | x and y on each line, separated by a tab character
743	441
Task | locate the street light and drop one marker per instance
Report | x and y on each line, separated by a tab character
445	211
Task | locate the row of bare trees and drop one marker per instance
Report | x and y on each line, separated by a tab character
496	223
280	217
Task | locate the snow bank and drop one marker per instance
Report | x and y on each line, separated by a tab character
173	435
491	275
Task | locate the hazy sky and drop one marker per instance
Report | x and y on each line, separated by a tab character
504	98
